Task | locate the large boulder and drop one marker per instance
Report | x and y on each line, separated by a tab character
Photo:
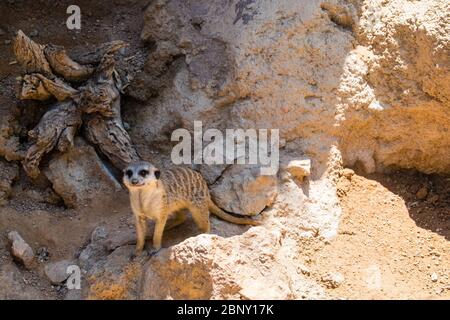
249	266
243	190
81	178
395	88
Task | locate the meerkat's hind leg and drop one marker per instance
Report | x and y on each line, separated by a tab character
201	217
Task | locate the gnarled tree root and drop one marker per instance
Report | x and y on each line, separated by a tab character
56	128
98	99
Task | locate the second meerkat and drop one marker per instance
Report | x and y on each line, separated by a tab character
157	195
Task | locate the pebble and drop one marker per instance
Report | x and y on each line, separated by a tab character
422	193
20	250
434	277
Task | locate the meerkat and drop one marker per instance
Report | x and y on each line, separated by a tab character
157	195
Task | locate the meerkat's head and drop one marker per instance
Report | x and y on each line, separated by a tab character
140	175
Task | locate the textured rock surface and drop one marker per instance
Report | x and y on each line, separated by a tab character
243	190
395	88
79	176
252	266
56	272
9	141
20	250
8	173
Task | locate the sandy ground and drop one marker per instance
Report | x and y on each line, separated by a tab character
391	244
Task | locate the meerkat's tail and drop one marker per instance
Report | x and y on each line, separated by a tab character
228	217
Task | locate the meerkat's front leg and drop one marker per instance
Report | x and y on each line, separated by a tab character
160	223
141	231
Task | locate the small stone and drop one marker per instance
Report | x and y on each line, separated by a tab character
2	32
99	233
7	41
20	250
299	168
347	173
34	33
57	272
333	280
422	193
43	254
434	277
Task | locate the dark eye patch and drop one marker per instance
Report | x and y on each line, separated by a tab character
143	173
157	174
129	173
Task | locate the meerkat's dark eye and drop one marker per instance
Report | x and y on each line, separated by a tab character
129	173
143	173
157	174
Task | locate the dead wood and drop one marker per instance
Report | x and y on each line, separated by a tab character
109	135
56	128
94	57
64	66
38	87
98	99
30	55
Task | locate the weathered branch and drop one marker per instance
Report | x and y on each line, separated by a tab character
56	129
94	57
37	87
64	66
30	55
112	140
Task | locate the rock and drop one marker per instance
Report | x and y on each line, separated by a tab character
117	277
80	178
371	116
56	272
9	129
113	236
211	267
92	254
243	190
434	277
333	280
422	193
347	173
299	168
20	250
8	174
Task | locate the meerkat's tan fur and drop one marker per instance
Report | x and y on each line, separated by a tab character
157	195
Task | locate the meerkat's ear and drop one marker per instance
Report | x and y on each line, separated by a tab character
157	174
